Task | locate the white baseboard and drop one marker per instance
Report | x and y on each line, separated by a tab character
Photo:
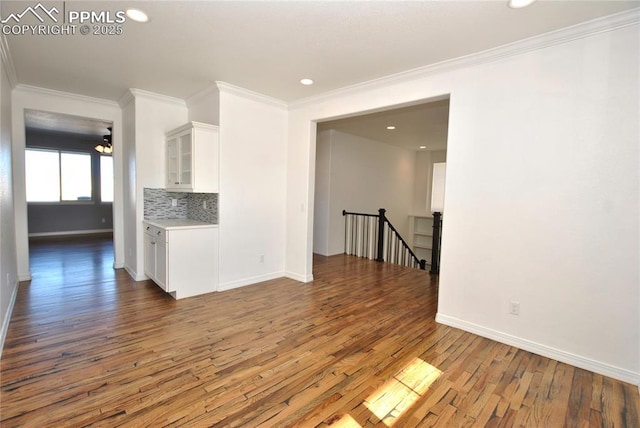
329	253
299	277
133	274
248	281
24	277
70	232
7	317
543	350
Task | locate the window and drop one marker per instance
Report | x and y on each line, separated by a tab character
55	176
106	178
75	176
42	175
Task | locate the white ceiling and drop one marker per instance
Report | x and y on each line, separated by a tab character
268	46
56	122
415	126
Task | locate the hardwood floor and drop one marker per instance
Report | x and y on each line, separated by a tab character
357	347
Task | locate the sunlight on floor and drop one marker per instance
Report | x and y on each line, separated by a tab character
400	392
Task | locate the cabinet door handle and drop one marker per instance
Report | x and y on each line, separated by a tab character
159	233
176	183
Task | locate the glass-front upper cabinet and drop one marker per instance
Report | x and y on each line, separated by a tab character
172	162
192	158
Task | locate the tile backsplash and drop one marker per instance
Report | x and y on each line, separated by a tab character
157	205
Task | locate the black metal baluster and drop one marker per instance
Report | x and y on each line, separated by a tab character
435	247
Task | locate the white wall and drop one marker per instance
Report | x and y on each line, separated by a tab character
8	266
542	154
437	156
424	180
148	117
322	193
253	132
28	97
422	187
363	176
129	185
205	106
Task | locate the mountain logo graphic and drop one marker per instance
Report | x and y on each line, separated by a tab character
38	11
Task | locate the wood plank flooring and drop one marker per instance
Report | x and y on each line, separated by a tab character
357	347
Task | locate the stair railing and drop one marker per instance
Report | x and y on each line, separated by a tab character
436	241
374	237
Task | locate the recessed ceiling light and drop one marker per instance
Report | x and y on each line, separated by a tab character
306	82
391	127
137	15
517	4
423	147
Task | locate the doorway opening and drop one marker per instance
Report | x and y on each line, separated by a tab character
383	159
69	190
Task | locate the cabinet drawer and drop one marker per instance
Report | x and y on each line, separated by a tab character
155	232
161	235
148	229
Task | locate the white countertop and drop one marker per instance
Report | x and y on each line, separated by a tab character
179	223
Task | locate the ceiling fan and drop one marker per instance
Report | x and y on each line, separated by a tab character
105	147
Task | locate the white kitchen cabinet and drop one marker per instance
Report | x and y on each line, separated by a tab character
155	254
181	256
193	158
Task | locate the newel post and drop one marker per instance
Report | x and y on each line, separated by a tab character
381	220
435	247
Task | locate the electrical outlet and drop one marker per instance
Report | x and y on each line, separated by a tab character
204	204
261	258
514	308
104	220
174	202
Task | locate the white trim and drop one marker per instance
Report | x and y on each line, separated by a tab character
563	35
26	277
157	97
7	60
328	254
255	96
68	95
543	350
249	281
70	232
7	317
118	265
192	124
299	277
133	274
125	99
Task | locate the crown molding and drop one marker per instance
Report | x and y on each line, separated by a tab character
125	99
68	95
8	61
140	93
542	41
255	96
201	94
